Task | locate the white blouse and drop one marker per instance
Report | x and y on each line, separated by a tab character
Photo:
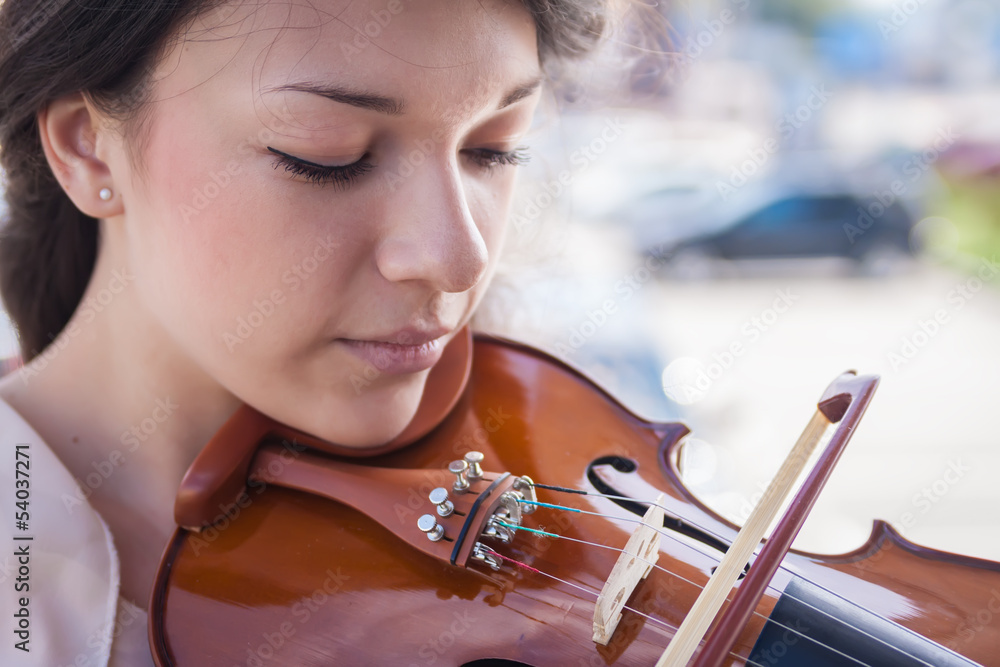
59	569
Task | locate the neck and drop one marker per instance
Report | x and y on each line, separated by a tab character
114	394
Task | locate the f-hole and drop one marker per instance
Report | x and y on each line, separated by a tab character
624	465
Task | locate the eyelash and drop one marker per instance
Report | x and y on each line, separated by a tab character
342	177
492	159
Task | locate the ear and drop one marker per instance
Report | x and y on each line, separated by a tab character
72	137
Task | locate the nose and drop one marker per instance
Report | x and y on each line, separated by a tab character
429	233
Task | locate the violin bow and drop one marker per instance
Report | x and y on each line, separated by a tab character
844	401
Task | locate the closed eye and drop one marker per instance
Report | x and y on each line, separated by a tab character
340	177
490	159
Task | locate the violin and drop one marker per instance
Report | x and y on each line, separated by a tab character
492	539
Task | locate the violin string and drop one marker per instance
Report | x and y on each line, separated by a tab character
672	574
609	496
627	519
670	535
576	586
621	550
857	629
771	587
597	595
605	546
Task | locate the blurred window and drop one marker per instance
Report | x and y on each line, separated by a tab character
797	210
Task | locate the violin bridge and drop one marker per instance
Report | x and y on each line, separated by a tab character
635	562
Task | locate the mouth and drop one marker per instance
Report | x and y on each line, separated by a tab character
405	351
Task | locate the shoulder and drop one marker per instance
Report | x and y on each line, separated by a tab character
59	572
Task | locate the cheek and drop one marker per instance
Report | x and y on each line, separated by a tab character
228	258
489	203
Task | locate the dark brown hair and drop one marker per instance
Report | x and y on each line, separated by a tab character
107	49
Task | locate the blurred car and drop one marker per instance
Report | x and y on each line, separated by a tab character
809	226
869	235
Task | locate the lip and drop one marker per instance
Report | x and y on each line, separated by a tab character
405	351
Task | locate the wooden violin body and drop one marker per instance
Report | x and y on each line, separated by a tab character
289	578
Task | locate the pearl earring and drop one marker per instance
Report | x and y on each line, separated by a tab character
105	194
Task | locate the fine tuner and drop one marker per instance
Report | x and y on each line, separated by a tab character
501	524
486	505
479	504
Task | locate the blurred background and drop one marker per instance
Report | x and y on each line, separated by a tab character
764	194
737	201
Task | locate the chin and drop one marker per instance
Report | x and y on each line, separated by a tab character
374	417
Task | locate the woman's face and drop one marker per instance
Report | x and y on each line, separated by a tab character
325	194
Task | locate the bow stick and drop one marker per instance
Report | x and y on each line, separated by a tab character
846	396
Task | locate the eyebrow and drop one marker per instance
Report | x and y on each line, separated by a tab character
380	103
522	91
390	106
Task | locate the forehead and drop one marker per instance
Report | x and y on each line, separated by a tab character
448	58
